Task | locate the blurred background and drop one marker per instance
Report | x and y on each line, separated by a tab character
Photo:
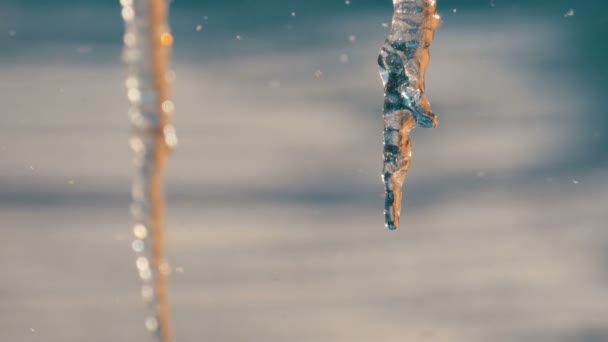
275	198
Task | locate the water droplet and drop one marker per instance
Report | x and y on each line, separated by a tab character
199	27
131	82
140	231
151	323
570	13
293	14
147	292
137	144
134	95
318	73
127	13
347	2
142	263
238	37
166	39
352	38
129	39
164	268
168	106
344	58
145	274
138	246
170	136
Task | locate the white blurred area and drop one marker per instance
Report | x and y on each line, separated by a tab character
275	200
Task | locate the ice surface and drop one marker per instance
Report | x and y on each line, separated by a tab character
403	61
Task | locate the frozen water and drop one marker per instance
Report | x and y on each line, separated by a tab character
152	136
403	61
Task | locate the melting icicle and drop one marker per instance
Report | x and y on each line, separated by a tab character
146	54
403	61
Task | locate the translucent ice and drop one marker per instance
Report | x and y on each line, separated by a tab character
147	40
403	60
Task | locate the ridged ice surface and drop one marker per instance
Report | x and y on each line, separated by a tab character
403	61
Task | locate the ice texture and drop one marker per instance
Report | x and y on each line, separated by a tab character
403	61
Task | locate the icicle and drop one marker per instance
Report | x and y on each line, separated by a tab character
147	41
403	61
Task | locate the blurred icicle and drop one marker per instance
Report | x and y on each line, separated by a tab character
147	42
403	61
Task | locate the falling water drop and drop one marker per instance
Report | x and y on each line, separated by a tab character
403	61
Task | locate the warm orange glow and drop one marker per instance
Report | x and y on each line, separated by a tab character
166	39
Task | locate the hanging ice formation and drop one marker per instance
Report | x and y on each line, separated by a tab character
403	60
147	43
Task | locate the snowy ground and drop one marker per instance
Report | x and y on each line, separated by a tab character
275	196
